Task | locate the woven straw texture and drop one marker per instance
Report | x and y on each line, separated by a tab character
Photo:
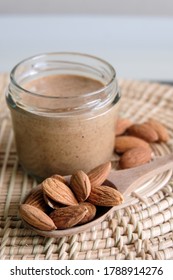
142	229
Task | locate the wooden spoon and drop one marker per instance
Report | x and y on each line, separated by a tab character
129	180
126	181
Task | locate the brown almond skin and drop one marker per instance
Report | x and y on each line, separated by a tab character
105	196
69	216
99	174
35	217
135	157
35	198
58	191
51	203
122	125
161	130
125	143
80	185
89	216
60	178
143	131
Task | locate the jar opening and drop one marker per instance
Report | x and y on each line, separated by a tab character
26	75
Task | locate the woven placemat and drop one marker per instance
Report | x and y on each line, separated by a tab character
143	229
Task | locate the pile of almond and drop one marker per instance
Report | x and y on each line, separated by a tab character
133	141
57	204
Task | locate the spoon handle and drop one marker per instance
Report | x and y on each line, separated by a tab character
130	179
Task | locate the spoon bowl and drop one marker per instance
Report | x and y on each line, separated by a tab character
126	181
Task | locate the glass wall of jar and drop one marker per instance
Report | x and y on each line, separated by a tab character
64	108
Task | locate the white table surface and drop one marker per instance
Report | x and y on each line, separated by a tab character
138	48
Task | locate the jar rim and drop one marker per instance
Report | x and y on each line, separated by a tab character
42	55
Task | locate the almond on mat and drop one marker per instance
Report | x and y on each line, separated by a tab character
160	129
122	125
143	131
135	157
124	143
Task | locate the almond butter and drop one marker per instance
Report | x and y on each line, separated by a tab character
69	216
99	174
122	125
90	214
135	157
58	191
124	143
35	217
35	198
143	131
80	185
160	129
105	196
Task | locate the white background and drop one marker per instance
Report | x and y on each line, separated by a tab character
136	37
113	7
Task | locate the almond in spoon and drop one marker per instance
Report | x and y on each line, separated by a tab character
69	216
36	199
80	185
58	191
90	214
105	196
99	174
35	217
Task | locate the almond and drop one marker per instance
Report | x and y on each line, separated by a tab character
69	216
89	216
35	217
35	198
58	191
50	202
80	185
105	196
135	157
99	174
60	178
143	131
122	125
124	143
160	129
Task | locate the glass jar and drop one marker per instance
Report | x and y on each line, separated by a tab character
58	133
